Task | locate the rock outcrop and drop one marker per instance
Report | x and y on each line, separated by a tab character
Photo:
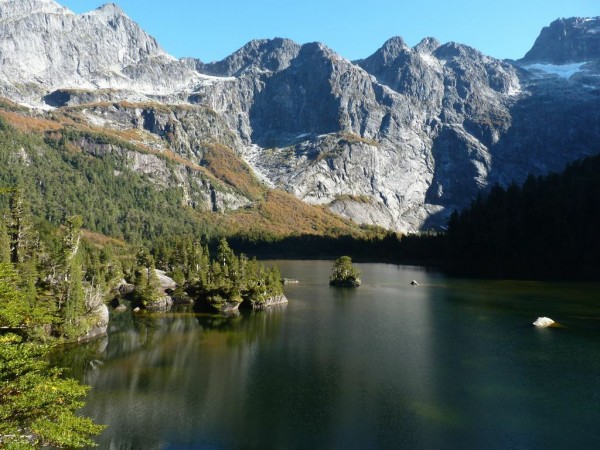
543	322
564	41
399	139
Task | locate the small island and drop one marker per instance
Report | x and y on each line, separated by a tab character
344	274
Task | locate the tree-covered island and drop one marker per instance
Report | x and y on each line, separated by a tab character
344	274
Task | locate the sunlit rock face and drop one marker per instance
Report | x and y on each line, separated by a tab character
399	139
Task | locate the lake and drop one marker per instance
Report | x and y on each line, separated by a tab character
447	364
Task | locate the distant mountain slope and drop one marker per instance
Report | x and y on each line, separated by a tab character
399	139
135	192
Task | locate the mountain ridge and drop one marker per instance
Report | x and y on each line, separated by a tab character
398	139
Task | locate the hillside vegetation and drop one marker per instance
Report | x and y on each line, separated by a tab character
127	190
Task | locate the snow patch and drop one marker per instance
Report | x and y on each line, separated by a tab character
514	89
565	71
203	80
430	60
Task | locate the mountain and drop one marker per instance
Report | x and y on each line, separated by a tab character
399	139
572	40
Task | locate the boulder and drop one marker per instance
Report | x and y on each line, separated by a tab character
125	287
271	301
543	322
164	303
165	281
182	298
99	318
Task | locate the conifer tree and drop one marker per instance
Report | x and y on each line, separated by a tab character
22	234
4	242
146	280
71	295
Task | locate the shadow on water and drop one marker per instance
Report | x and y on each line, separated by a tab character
386	365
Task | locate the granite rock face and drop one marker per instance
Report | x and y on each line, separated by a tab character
565	41
398	139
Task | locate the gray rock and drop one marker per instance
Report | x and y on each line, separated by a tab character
163	304
99	318
399	139
165	281
575	39
271	301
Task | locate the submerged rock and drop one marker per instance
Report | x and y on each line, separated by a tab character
543	322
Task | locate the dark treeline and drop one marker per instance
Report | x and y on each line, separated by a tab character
389	247
546	229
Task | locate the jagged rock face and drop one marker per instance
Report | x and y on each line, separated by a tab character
399	139
199	192
45	44
258	55
567	40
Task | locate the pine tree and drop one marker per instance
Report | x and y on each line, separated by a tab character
22	234
344	273
70	288
146	280
4	242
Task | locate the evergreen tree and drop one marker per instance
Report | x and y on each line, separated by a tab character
71	297
37	406
22	234
146	280
344	273
5	253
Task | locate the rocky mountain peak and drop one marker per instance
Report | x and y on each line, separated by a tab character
394	139
260	54
454	50
108	10
571	40
43	43
391	50
15	9
427	45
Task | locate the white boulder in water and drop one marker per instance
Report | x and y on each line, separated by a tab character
543	322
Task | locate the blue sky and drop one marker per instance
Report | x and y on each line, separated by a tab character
212	29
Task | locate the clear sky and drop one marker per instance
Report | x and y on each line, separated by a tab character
212	29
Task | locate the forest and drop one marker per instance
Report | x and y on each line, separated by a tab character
54	286
545	229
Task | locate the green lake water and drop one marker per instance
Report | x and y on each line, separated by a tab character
448	364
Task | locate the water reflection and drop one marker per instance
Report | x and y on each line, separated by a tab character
387	365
